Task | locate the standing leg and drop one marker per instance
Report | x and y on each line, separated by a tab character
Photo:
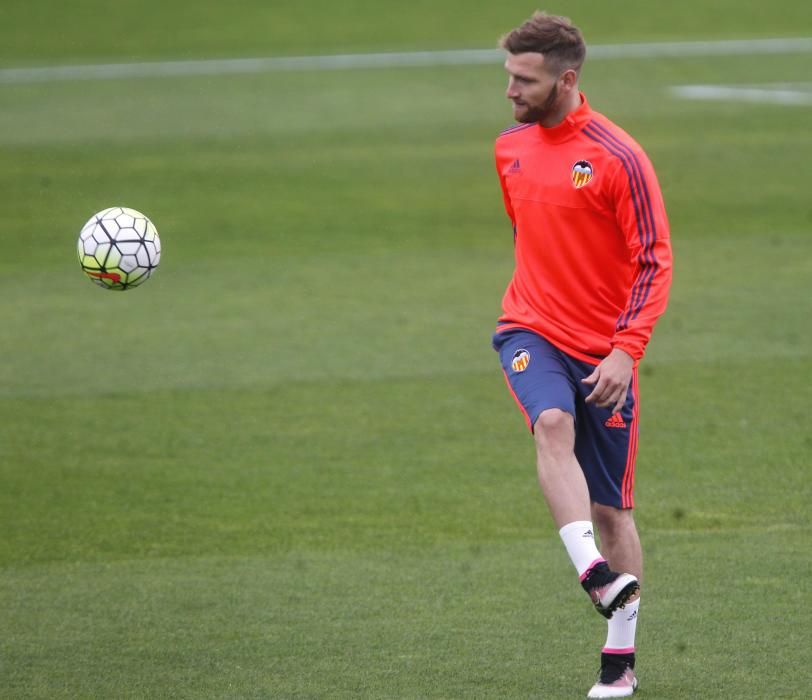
621	545
620	542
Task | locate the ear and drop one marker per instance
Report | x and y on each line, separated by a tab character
569	79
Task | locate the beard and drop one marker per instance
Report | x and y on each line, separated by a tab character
538	113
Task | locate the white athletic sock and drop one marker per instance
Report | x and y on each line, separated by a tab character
579	539
622	626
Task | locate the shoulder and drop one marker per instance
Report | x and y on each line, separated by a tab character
612	139
514	142
630	166
516	128
515	133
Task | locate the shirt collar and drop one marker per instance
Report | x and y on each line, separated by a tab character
571	124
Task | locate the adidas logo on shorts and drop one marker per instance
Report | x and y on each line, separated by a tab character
615	421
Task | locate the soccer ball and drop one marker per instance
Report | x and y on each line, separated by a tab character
119	248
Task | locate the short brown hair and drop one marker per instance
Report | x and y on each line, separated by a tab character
556	38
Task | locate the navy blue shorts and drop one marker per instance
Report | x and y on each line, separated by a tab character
540	376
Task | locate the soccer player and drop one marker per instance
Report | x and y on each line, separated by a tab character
592	275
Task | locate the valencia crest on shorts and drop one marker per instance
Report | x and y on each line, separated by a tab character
581	173
521	358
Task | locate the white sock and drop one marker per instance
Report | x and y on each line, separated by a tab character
622	626
579	539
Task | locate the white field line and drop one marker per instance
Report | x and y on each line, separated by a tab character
783	94
119	71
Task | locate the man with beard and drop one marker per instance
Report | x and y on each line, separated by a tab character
592	275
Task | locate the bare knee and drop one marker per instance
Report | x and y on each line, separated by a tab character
554	431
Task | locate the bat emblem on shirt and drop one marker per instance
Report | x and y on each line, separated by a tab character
581	173
521	358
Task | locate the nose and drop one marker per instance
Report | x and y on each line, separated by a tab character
511	91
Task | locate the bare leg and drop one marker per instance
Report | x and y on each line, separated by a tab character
560	476
565	490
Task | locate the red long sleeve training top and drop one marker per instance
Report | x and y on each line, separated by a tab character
592	245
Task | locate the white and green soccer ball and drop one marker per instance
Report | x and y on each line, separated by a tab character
119	248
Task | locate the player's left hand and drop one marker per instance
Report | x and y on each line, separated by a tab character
611	379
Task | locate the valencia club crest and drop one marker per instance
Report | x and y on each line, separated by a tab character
581	173
521	358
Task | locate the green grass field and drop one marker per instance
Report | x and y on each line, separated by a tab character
287	466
